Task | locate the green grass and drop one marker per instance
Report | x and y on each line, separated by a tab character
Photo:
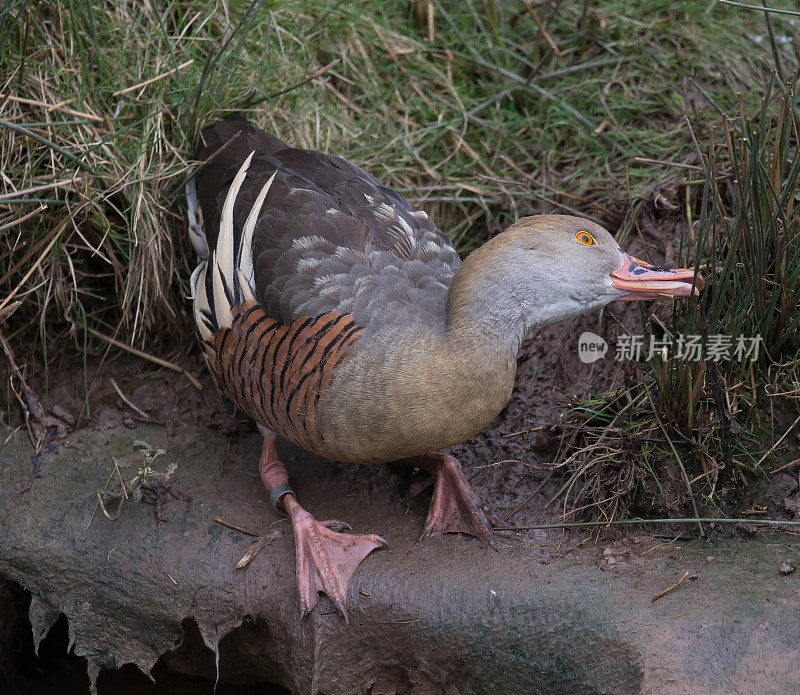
481	124
748	243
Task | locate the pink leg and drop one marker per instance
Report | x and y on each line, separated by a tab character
325	559
454	508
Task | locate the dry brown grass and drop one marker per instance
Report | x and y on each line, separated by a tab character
487	118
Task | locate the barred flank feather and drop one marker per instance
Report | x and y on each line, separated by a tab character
277	373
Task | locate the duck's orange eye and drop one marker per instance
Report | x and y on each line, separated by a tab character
585	238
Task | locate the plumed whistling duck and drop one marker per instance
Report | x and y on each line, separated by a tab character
339	317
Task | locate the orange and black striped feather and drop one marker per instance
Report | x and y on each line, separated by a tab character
277	373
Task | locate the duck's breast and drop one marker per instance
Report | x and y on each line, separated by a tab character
407	390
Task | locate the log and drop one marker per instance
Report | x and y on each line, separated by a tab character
447	615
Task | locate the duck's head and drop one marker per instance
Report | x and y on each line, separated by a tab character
550	267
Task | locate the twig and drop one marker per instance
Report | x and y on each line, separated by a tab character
146	356
100	504
760	9
53	107
63	102
11	434
645	522
255	548
341	97
528	499
240	529
153	79
647	160
785	466
516	434
36	189
668	589
633	214
201	165
308	79
539	23
500	463
776	444
103	509
696	146
121	479
134	408
22	219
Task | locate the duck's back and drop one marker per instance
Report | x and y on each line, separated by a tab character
329	237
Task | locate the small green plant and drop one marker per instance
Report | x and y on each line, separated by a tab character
150	454
144	478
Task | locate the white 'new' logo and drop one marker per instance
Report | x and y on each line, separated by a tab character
591	347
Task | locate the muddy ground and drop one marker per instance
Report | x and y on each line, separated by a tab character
545	612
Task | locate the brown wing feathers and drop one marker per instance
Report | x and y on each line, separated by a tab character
328	237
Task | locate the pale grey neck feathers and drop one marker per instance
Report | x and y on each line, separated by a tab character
519	280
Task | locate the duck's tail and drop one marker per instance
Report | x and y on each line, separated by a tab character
224	274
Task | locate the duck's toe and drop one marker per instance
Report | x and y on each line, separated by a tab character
326	560
455	507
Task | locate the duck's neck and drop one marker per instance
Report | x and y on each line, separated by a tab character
484	315
495	298
486	307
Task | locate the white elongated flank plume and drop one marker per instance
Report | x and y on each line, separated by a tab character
232	278
225	259
246	245
222	304
201	307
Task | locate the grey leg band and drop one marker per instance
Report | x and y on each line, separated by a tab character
277	493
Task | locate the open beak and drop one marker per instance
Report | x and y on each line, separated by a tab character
643	281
